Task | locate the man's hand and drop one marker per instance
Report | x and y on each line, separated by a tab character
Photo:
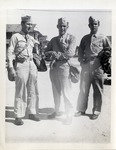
51	55
63	44
55	55
20	58
11	74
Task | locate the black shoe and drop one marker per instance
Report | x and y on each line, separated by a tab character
79	113
34	117
94	116
18	121
51	116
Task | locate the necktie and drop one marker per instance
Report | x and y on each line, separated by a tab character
26	37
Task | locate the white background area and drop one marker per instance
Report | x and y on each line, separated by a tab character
80	10
46	20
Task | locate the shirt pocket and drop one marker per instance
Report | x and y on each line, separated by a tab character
97	46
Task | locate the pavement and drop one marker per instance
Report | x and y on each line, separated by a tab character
82	129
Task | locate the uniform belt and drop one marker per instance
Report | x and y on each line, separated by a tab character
61	60
90	58
29	58
22	60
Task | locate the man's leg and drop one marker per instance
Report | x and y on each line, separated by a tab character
66	89
97	92
20	103
65	82
32	91
56	88
85	83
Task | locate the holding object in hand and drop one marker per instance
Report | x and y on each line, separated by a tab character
63	43
11	74
39	62
105	59
51	55
20	58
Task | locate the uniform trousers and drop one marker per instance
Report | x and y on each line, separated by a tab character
61	85
91	74
26	89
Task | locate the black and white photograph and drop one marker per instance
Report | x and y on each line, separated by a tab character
42	102
58	77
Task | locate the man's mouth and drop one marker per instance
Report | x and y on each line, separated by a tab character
28	29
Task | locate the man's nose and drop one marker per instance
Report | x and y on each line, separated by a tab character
30	25
94	25
62	27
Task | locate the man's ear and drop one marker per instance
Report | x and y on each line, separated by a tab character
67	26
57	26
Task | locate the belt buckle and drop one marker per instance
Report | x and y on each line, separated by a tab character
29	59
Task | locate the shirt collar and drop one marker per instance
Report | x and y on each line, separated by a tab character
22	33
64	36
95	35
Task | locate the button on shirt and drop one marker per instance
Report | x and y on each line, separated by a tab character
91	45
19	43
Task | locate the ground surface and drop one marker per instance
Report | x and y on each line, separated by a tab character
82	129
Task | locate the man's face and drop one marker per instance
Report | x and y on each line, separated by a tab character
62	29
26	27
94	27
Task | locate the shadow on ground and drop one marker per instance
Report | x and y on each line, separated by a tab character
42	112
9	114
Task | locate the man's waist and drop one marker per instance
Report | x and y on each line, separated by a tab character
90	58
24	58
61	60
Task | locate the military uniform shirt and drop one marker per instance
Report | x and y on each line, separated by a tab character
91	45
19	42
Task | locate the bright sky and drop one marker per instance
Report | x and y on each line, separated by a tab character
78	21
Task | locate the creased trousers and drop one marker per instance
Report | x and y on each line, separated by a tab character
26	89
91	74
61	84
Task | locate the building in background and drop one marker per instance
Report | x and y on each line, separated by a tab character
15	28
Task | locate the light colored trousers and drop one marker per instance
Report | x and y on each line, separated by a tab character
91	74
61	85
26	94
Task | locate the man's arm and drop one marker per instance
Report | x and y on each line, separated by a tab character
49	52
81	51
68	49
11	49
11	56
106	44
106	48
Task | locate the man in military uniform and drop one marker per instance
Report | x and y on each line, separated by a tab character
92	73
25	74
61	48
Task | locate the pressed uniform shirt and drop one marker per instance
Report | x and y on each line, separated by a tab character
64	46
20	43
91	45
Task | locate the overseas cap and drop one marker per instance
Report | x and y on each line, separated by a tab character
26	18
92	20
62	21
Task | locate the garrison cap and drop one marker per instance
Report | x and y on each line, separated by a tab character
92	20
62	21
26	19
